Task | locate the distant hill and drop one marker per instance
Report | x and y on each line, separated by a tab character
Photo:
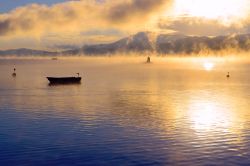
137	43
26	52
170	44
151	42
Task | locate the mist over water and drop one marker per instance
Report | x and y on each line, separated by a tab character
176	111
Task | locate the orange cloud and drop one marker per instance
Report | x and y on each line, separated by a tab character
204	27
70	19
69	22
77	16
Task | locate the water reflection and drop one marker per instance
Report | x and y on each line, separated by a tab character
64	84
145	114
207	115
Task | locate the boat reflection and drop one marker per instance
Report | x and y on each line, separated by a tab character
68	84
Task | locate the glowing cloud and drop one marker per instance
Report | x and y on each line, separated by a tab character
72	18
73	22
203	27
208	17
225	10
78	16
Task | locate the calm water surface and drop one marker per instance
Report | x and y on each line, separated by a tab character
125	112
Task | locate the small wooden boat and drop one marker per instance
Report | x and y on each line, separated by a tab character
65	80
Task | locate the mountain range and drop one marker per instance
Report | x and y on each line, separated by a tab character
151	42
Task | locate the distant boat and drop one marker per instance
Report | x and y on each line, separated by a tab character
14	73
148	60
65	80
54	58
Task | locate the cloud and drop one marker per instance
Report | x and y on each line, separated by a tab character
5	27
72	19
39	19
107	32
140	8
94	21
205	27
78	16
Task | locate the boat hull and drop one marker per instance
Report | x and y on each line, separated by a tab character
64	80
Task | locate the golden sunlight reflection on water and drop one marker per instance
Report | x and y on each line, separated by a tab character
206	115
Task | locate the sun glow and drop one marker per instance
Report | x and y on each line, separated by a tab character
208	66
226	10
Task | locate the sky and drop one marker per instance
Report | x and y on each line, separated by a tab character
65	24
6	6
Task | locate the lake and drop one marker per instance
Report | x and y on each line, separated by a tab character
174	111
